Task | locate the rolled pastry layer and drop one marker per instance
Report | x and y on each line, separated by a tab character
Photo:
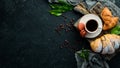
106	44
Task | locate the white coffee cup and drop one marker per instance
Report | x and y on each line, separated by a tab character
93	25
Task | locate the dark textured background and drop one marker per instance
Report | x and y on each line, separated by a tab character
28	38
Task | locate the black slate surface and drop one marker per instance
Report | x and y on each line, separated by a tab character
28	38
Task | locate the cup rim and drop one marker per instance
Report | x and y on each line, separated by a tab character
94	30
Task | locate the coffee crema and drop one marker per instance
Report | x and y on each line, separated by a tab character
91	25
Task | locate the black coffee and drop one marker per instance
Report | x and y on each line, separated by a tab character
91	25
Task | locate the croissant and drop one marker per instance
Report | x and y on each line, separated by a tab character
106	44
108	19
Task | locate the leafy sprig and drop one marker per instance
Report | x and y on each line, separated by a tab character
116	30
59	8
84	54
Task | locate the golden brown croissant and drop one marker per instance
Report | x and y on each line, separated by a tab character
108	19
106	44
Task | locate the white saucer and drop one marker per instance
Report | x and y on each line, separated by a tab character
86	18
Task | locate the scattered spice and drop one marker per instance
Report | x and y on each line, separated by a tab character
67	44
57	30
67	27
72	20
61	26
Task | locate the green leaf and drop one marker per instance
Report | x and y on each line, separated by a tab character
52	6
84	54
55	12
116	30
59	8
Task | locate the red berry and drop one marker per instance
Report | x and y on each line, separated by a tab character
81	26
83	33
